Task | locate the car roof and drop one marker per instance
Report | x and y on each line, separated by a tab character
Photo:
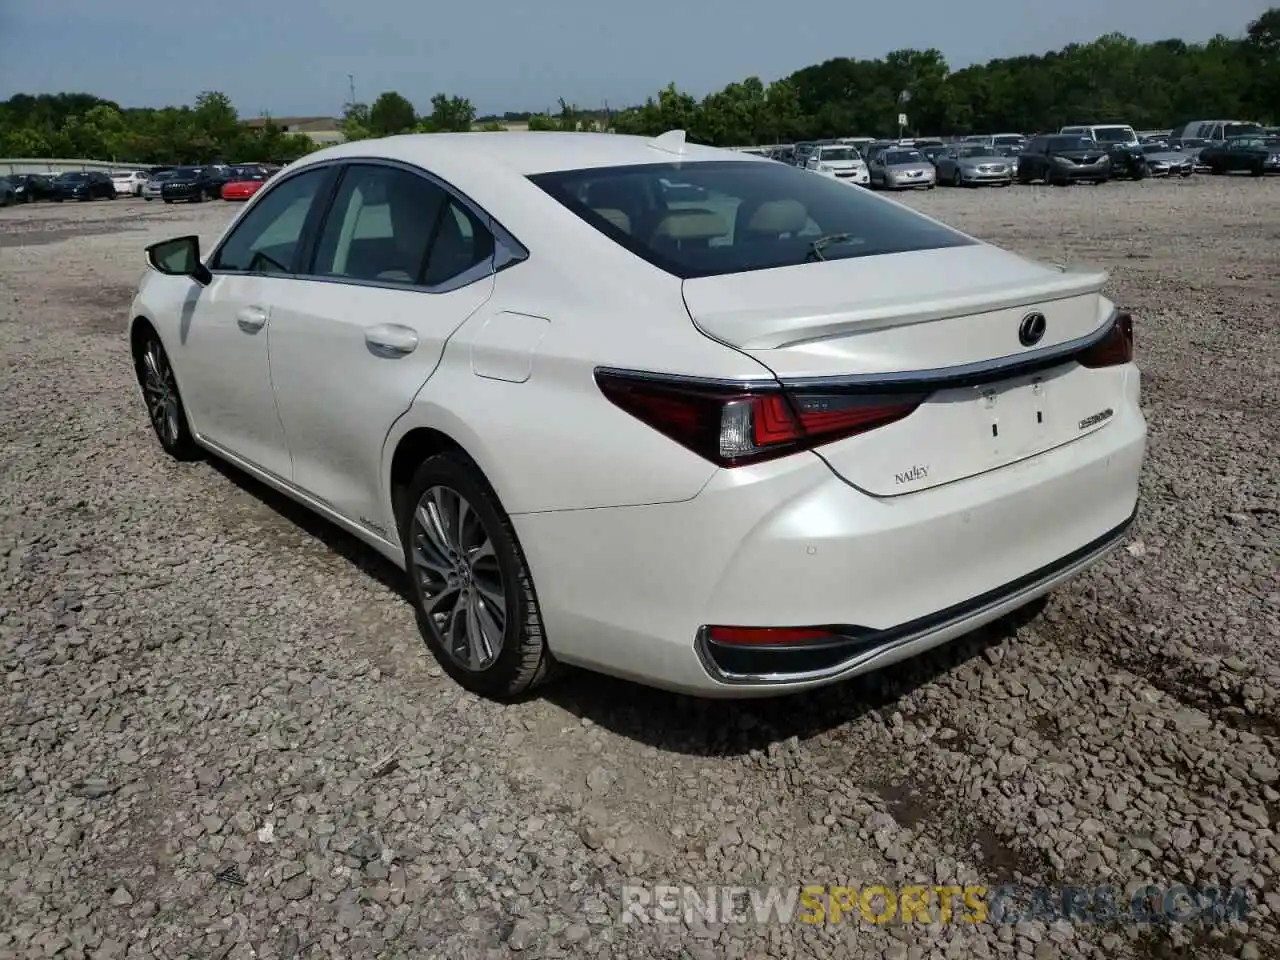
522	153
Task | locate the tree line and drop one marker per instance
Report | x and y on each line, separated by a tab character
1113	79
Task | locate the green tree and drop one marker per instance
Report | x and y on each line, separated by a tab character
448	114
390	114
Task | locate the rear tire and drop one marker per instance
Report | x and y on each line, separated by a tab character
464	561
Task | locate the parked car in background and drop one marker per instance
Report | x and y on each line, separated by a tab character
1063	159
933	153
190	185
840	161
1256	154
87	185
813	431
1205	133
32	186
242	182
972	165
1162	161
129	183
902	168
151	190
8	193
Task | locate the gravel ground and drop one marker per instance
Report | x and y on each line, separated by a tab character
220	735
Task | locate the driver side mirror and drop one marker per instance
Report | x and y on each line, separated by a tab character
179	257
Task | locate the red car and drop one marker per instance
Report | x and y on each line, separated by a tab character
243	182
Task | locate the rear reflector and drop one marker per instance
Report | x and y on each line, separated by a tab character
1114	349
732	425
771	636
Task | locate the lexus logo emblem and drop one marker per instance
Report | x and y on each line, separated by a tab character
1031	329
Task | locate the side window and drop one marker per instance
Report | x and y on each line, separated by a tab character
379	226
461	242
266	240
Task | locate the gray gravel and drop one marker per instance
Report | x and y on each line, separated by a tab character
220	735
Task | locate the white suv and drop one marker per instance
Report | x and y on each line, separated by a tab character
129	183
1106	134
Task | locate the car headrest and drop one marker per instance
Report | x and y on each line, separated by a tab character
616	217
779	216
691	225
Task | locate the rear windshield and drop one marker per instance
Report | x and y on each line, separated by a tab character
731	216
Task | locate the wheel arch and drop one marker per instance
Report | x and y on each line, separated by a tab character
410	444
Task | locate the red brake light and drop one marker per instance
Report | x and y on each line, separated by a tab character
1115	348
735	425
770	636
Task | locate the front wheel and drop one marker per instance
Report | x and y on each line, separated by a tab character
471	587
164	402
957	178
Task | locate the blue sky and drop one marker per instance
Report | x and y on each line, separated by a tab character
292	57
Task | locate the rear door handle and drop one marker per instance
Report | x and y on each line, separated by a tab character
251	319
391	339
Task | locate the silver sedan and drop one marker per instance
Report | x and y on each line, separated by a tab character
970	165
902	169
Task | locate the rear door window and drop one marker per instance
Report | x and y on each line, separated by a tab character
730	216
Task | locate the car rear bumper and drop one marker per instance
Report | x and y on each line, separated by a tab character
629	590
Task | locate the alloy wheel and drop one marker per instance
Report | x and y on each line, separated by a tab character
456	567
161	393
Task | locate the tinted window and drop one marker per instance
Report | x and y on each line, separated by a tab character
1070	143
902	156
754	215
460	243
379	226
1241	129
266	240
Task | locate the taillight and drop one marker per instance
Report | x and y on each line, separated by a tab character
733	425
1113	349
768	636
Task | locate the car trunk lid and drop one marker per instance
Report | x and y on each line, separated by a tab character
942	324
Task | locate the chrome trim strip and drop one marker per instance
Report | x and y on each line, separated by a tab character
933	379
692	380
1029	591
965	373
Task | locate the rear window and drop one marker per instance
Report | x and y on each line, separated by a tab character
736	216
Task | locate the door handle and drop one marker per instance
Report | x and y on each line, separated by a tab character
391	340
251	319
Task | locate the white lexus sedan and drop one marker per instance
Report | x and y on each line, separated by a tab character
672	413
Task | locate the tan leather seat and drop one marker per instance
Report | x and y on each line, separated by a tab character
682	229
770	220
615	216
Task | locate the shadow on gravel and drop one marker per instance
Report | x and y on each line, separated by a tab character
670	721
689	725
354	551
